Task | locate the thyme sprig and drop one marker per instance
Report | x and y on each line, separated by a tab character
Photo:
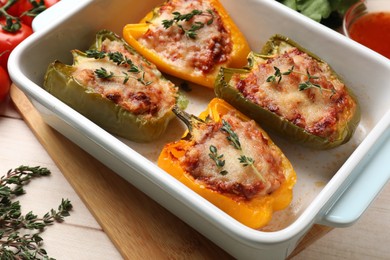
217	158
308	84
14	245
192	31
119	59
104	74
302	86
278	74
234	140
232	136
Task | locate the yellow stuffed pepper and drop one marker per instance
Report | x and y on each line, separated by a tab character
190	40
229	160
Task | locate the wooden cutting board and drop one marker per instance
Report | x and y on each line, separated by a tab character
138	226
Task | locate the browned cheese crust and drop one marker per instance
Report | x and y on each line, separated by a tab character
239	180
145	93
319	111
211	47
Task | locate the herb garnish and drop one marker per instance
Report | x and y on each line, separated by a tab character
234	140
217	159
232	136
178	17
308	84
102	73
302	86
119	59
278	74
29	245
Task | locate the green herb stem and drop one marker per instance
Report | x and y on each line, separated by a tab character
217	158
234	140
178	17
119	59
277	76
26	246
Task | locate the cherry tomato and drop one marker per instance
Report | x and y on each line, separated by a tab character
13	9
5	84
8	41
49	3
20	8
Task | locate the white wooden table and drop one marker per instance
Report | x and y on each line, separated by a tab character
81	237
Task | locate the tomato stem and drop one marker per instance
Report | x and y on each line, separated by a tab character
12	23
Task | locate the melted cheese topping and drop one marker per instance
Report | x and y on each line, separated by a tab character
211	46
145	93
240	180
320	111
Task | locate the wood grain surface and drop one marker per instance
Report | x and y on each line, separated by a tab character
138	226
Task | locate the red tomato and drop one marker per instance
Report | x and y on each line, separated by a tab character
22	6
8	41
13	9
5	83
49	3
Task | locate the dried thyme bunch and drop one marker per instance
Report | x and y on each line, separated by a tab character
20	234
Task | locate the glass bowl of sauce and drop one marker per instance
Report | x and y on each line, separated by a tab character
368	22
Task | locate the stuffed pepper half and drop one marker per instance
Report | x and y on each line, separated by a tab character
115	87
189	39
229	160
293	92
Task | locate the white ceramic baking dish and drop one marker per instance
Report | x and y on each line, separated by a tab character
334	187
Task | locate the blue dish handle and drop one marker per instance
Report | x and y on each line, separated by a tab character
372	174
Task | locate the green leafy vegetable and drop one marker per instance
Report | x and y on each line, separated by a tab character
319	10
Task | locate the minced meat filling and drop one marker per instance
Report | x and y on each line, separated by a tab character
320	110
211	45
234	178
144	93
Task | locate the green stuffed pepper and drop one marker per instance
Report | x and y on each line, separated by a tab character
115	87
294	93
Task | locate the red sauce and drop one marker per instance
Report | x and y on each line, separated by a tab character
373	31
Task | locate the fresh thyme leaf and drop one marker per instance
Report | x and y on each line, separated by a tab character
19	177
278	74
142	80
119	59
248	161
103	73
245	161
217	159
308	84
133	68
209	22
127	77
302	86
13	244
167	23
232	136
234	140
178	17
192	31
95	54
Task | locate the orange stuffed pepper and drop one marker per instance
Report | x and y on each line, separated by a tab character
190	40
229	160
